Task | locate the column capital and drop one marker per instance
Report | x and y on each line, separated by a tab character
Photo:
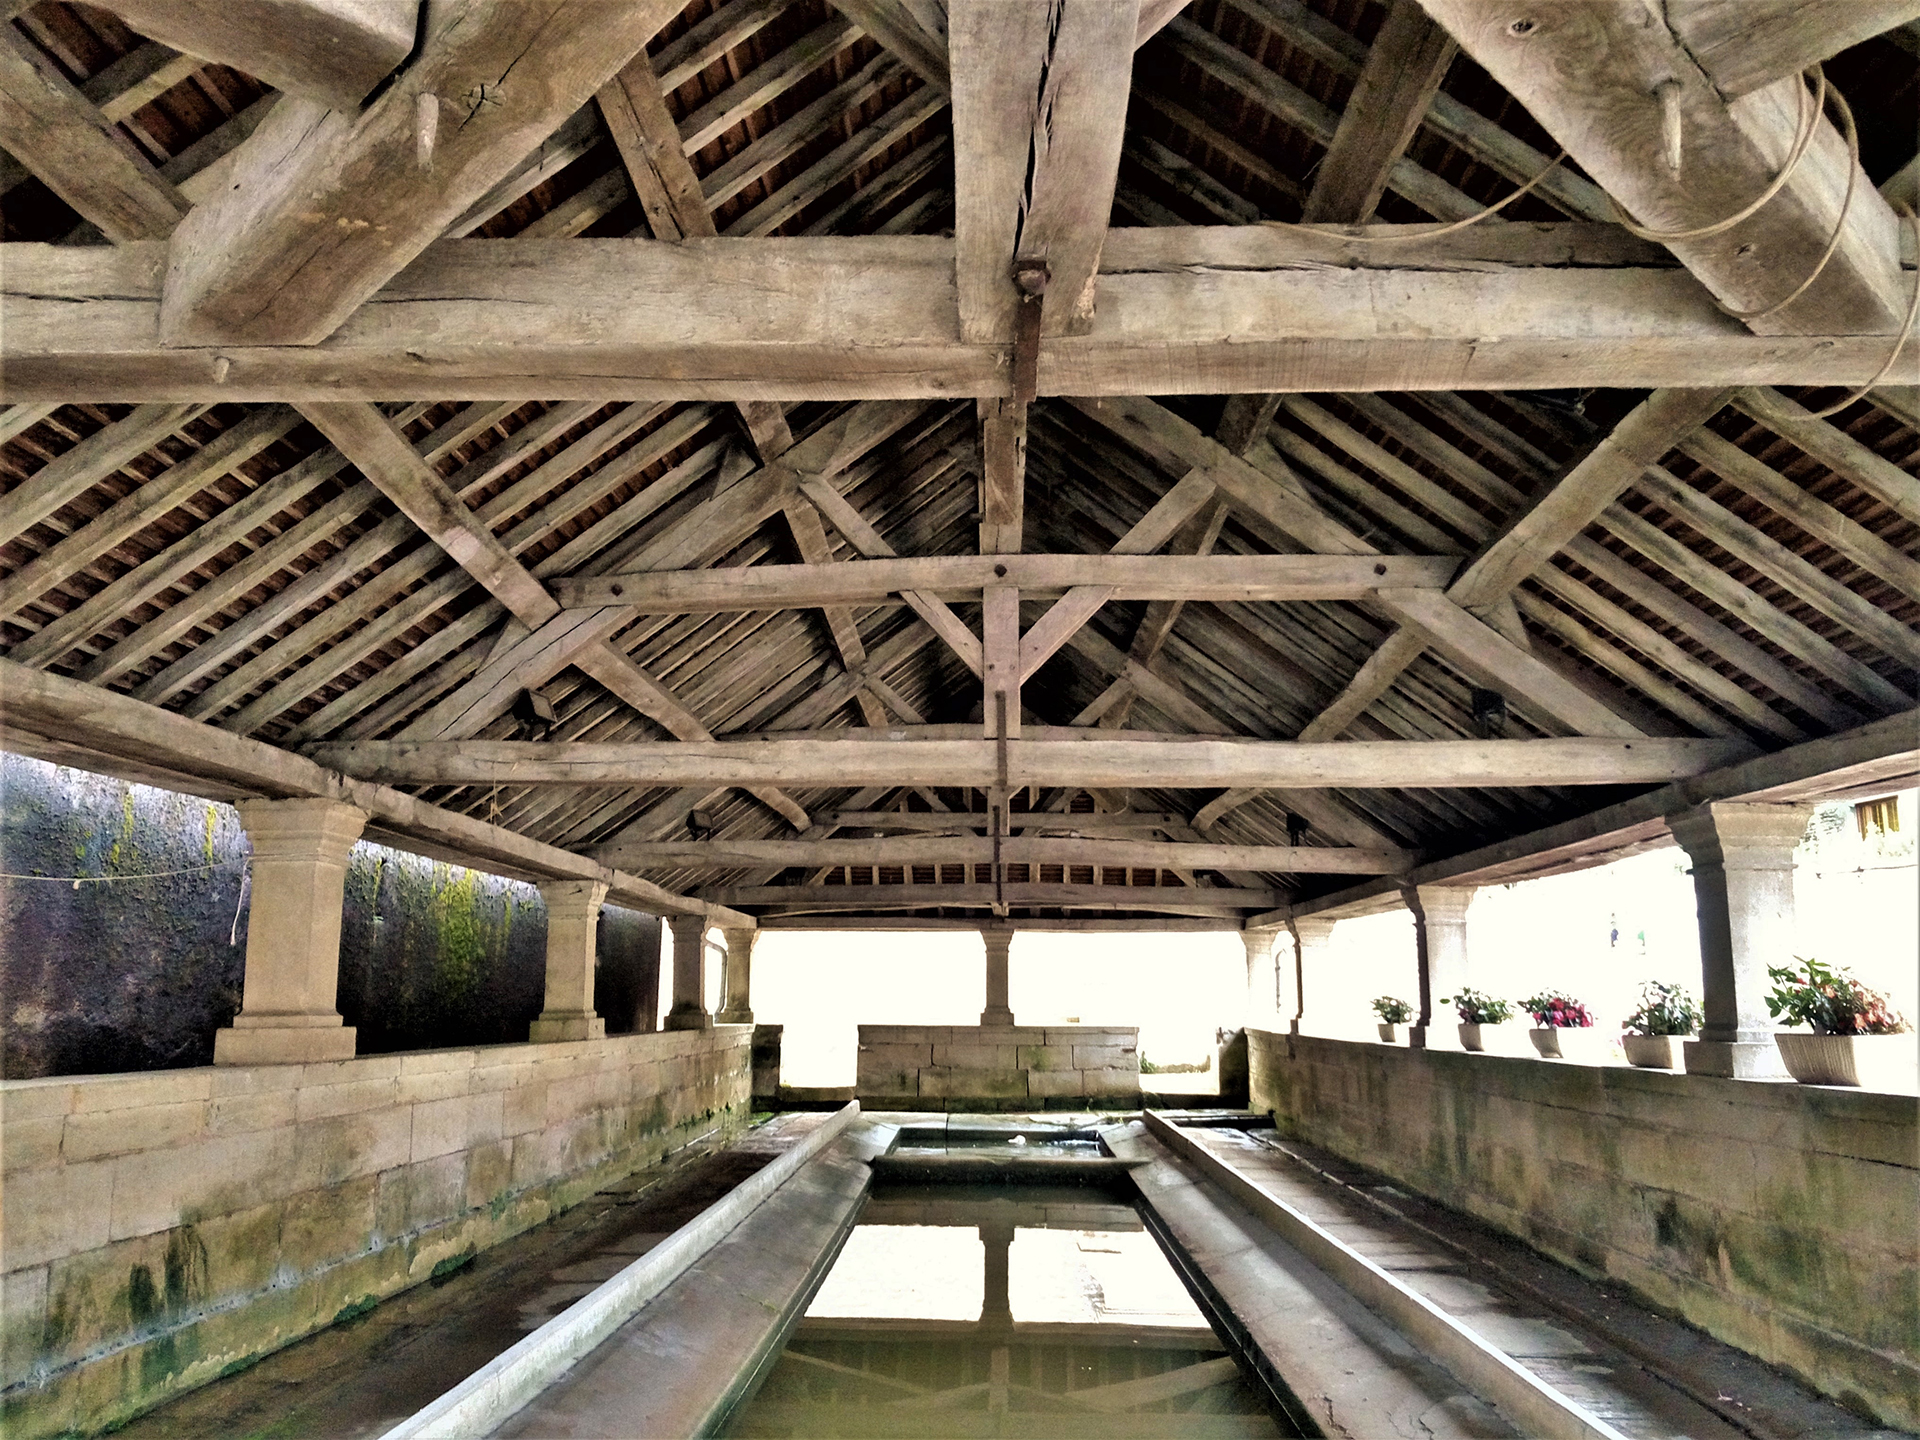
1439	904
1745	832
567	894
1310	930
325	830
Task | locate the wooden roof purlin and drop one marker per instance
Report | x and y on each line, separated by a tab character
875	462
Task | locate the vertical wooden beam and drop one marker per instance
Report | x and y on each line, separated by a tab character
1039	106
1003	471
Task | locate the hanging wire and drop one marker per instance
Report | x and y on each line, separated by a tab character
1475	219
78	880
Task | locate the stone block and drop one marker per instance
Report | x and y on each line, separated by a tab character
1044	1057
45	1214
436	1190
158	1189
974	1055
1050	1084
235	1254
329	1151
325	1226
489	1170
97	1295
96	1134
1105	1057
283	1045
245	1112
426	1085
982	1084
885	1055
1113	1082
439	1128
23	1319
147	1087
261	1079
524	1108
30	1143
32	1099
427	1062
892	1081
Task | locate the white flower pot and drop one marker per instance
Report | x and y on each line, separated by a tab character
1389	1033
1582	1044
1872	1062
1655	1052
1471	1038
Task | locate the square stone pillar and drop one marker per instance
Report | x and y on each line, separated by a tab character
1312	934
289	1007
573	934
1440	938
689	1010
1743	892
736	981
1263	980
999	941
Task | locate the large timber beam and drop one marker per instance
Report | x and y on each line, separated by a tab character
324	206
1621	91
1745	44
1218	578
61	136
832	899
1013	850
1196	763
72	723
329	51
1874	759
1205	310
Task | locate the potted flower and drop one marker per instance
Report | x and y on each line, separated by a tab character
1393	1013
1477	1009
1667	1015
1564	1029
1858	1037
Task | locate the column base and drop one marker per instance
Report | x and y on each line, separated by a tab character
550	1028
996	1017
1735	1059
734	1017
283	1044
687	1020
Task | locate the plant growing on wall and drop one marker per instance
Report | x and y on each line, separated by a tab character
1664	1010
1556	1010
1475	1007
1829	1001
1392	1011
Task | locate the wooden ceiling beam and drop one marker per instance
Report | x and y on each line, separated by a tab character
1207	310
329	51
1403	71
61	136
1175	764
324	206
1744	45
1128	575
1014	850
1612	85
833	899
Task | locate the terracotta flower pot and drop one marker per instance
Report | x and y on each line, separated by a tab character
1655	1052
1582	1044
1873	1062
1389	1033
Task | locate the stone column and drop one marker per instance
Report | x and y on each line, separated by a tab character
689	975
996	1309
1743	890
736	1003
289	1007
1440	937
573	933
999	940
1311	936
1263	981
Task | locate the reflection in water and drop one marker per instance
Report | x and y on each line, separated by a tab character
963	1311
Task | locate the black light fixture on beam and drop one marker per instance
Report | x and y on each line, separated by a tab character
534	711
700	824
1489	714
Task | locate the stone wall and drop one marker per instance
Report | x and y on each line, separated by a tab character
1778	1217
1005	1067
159	1230
137	971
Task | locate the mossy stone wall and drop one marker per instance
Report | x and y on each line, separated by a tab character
136	973
160	1230
1779	1218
